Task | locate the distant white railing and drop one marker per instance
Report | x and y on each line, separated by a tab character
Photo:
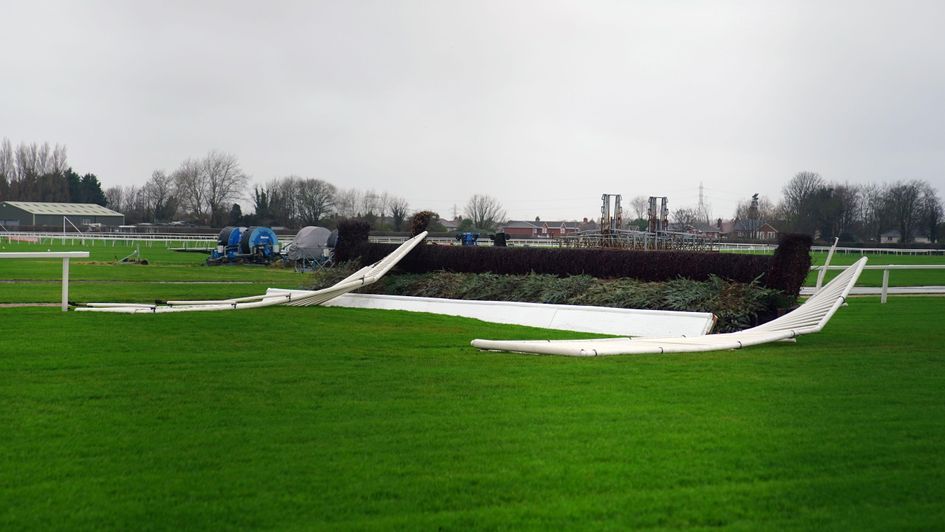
183	239
209	239
885	289
64	255
880	251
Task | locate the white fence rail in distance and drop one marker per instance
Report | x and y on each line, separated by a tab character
64	255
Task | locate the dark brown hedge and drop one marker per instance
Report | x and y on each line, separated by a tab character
352	234
790	264
601	263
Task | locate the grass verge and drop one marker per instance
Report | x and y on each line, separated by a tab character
342	418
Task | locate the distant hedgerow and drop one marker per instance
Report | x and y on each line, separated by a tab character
784	271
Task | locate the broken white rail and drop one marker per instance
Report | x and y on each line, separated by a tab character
362	277
806	319
64	255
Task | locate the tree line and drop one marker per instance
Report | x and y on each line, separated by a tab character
40	172
206	191
813	205
851	212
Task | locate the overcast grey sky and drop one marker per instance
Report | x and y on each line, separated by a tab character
542	104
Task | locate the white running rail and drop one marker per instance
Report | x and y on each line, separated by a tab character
806	319
885	290
64	255
272	297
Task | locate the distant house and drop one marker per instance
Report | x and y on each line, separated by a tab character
451	225
519	229
588	225
44	214
539	229
707	230
767	232
742	229
890	237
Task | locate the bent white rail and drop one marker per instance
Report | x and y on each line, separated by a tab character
362	277
806	319
64	255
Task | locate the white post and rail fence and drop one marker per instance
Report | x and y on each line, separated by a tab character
64	255
885	289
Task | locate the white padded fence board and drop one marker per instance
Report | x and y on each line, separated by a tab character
601	320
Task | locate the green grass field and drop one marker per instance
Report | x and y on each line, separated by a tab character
340	418
100	278
896	277
301	418
168	275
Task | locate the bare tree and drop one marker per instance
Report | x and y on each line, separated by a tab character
191	189
347	202
135	204
207	187
383	201
847	200
224	182
686	216
639	205
33	171
398	211
484	211
797	203
159	194
903	200
874	211
371	204
7	160
314	200
766	210
930	211
114	199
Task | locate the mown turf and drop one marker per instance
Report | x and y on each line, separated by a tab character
294	418
875	277
168	275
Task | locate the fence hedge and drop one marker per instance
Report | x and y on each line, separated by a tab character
785	271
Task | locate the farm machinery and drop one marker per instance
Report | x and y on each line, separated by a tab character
312	248
240	245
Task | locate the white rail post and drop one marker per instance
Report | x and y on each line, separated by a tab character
65	284
882	298
823	271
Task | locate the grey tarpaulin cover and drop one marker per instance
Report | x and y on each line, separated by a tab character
310	243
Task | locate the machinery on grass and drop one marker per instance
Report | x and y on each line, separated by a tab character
245	245
312	248
468	239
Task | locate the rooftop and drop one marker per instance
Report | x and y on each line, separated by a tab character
67	209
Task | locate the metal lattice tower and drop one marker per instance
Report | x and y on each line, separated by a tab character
702	210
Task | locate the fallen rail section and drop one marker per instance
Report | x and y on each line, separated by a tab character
811	317
362	277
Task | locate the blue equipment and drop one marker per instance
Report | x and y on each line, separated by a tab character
468	239
258	245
